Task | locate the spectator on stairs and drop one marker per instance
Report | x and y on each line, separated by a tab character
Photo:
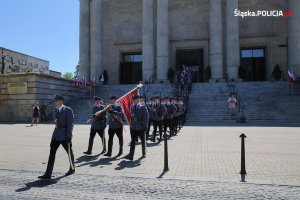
232	103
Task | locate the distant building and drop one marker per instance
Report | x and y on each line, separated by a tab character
55	73
16	62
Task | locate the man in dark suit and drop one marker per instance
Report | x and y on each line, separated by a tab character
62	135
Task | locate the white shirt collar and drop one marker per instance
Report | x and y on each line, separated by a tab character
61	107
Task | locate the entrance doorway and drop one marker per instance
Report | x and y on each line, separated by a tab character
253	63
192	58
131	68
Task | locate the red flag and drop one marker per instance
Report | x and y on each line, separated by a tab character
126	102
93	82
84	82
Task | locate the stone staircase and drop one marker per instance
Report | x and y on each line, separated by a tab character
267	103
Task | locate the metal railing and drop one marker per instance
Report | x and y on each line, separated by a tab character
233	89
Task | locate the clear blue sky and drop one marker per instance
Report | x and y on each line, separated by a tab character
47	29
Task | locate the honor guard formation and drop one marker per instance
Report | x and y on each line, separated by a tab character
165	114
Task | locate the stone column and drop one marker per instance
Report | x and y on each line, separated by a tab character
294	37
148	40
232	40
84	39
96	39
215	39
162	39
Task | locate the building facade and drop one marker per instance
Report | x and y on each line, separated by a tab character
136	40
16	62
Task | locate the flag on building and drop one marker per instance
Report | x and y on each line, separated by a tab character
126	101
292	77
83	82
93	82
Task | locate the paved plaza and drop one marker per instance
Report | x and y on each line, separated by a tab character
204	163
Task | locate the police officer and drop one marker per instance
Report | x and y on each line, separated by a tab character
150	112
116	120
168	121
175	115
62	135
138	125
159	111
98	126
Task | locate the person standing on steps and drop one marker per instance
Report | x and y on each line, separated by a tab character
232	102
138	126
98	126
116	118
62	135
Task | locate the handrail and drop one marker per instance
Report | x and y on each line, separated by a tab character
234	89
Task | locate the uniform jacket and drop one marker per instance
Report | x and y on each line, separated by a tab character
116	112
171	109
139	117
63	124
100	121
159	110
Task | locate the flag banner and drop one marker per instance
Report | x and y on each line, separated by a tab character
84	82
126	101
292	77
93	82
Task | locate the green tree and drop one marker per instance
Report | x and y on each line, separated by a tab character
76	73
68	75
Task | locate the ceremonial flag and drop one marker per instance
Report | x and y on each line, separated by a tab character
292	77
126	101
93	82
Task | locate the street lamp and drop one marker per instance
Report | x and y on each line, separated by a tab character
3	64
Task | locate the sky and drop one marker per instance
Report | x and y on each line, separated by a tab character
47	29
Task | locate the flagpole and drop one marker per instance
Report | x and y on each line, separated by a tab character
137	87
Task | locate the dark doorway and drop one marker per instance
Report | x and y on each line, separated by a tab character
192	58
253	62
131	68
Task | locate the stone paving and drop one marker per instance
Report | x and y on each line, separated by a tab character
202	161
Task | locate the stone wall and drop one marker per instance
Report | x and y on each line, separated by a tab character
16	106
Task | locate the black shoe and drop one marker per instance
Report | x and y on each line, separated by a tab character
153	140
87	153
70	172
103	151
45	177
107	154
120	153
128	157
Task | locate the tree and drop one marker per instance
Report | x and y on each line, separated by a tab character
76	73
68	75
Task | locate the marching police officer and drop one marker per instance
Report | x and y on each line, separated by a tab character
176	115
62	135
159	111
138	125
150	112
168	121
98	126
116	120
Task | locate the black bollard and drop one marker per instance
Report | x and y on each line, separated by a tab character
166	163
243	162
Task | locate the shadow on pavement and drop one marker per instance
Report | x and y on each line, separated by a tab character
129	164
162	174
40	184
101	161
86	158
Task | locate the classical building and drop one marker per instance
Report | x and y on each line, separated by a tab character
137	40
16	62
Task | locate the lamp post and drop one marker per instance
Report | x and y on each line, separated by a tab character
3	64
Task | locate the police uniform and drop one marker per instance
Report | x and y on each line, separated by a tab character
98	126
138	125
158	112
171	109
62	135
176	115
150	112
116	119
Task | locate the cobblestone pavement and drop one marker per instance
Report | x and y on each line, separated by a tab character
23	185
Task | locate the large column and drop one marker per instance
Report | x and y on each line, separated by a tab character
84	39
96	39
294	37
148	39
232	39
215	39
162	39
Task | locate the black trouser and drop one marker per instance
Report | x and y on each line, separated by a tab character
111	134
43	116
135	135
155	125
148	128
53	148
168	123
92	136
